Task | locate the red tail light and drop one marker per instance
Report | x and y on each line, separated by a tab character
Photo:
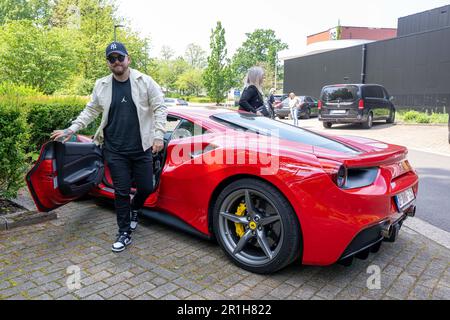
361	104
319	105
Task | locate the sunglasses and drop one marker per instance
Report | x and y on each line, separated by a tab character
113	59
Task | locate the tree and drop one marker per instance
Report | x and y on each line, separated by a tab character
39	57
167	53
217	76
190	82
195	56
170	70
260	48
94	21
37	10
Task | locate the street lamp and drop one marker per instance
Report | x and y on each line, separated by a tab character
115	32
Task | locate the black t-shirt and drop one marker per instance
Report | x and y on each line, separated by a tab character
122	134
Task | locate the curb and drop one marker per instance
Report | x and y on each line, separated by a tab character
429	231
25	218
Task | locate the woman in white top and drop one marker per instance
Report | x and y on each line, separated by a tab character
294	104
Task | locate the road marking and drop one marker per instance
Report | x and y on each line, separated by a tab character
429	231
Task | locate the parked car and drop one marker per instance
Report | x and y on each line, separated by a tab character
172	102
355	103
279	99
320	200
308	108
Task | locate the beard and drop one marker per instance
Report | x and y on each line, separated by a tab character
118	70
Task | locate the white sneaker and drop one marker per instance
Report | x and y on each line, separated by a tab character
123	240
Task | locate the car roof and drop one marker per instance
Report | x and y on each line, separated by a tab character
353	84
199	113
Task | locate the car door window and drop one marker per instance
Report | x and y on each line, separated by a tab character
378	91
186	129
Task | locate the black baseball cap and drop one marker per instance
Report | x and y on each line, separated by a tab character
116	47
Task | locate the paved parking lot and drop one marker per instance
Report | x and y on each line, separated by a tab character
428	138
167	264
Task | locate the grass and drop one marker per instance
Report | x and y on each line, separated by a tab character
410	116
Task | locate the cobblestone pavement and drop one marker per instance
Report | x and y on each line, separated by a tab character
167	264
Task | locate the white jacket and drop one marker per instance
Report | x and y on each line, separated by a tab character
146	95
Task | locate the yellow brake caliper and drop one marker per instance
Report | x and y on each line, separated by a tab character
239	226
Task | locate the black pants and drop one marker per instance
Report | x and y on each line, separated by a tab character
123	168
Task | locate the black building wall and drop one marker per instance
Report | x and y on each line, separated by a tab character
415	69
424	21
307	75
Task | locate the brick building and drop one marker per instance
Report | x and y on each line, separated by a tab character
349	33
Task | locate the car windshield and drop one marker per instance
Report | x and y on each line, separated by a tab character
340	94
268	127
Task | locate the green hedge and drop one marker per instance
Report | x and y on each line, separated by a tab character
25	125
14	137
50	113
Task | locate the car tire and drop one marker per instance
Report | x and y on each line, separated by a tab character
281	238
391	118
369	122
327	125
282	118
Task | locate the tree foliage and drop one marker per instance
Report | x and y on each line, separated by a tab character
60	47
37	10
190	82
36	56
217	76
260	48
195	56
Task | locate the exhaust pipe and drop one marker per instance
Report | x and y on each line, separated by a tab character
386	231
411	212
390	232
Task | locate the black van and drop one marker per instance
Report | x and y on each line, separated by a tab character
355	103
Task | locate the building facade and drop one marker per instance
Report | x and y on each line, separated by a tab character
350	33
414	68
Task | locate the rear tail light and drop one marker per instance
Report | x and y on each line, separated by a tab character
319	105
341	176
335	170
349	178
361	104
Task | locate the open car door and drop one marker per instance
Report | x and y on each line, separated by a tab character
64	172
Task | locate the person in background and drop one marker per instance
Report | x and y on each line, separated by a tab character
294	104
271	102
252	98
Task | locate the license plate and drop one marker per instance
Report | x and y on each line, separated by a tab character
338	111
404	199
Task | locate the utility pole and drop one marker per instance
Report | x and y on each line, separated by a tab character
276	66
115	32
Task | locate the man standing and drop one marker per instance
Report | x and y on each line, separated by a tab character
132	128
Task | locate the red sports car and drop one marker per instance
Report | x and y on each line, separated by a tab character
269	192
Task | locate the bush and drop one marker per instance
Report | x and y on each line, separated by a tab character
411	116
423	118
50	113
14	137
200	99
17	90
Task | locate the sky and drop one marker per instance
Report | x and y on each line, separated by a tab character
177	23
